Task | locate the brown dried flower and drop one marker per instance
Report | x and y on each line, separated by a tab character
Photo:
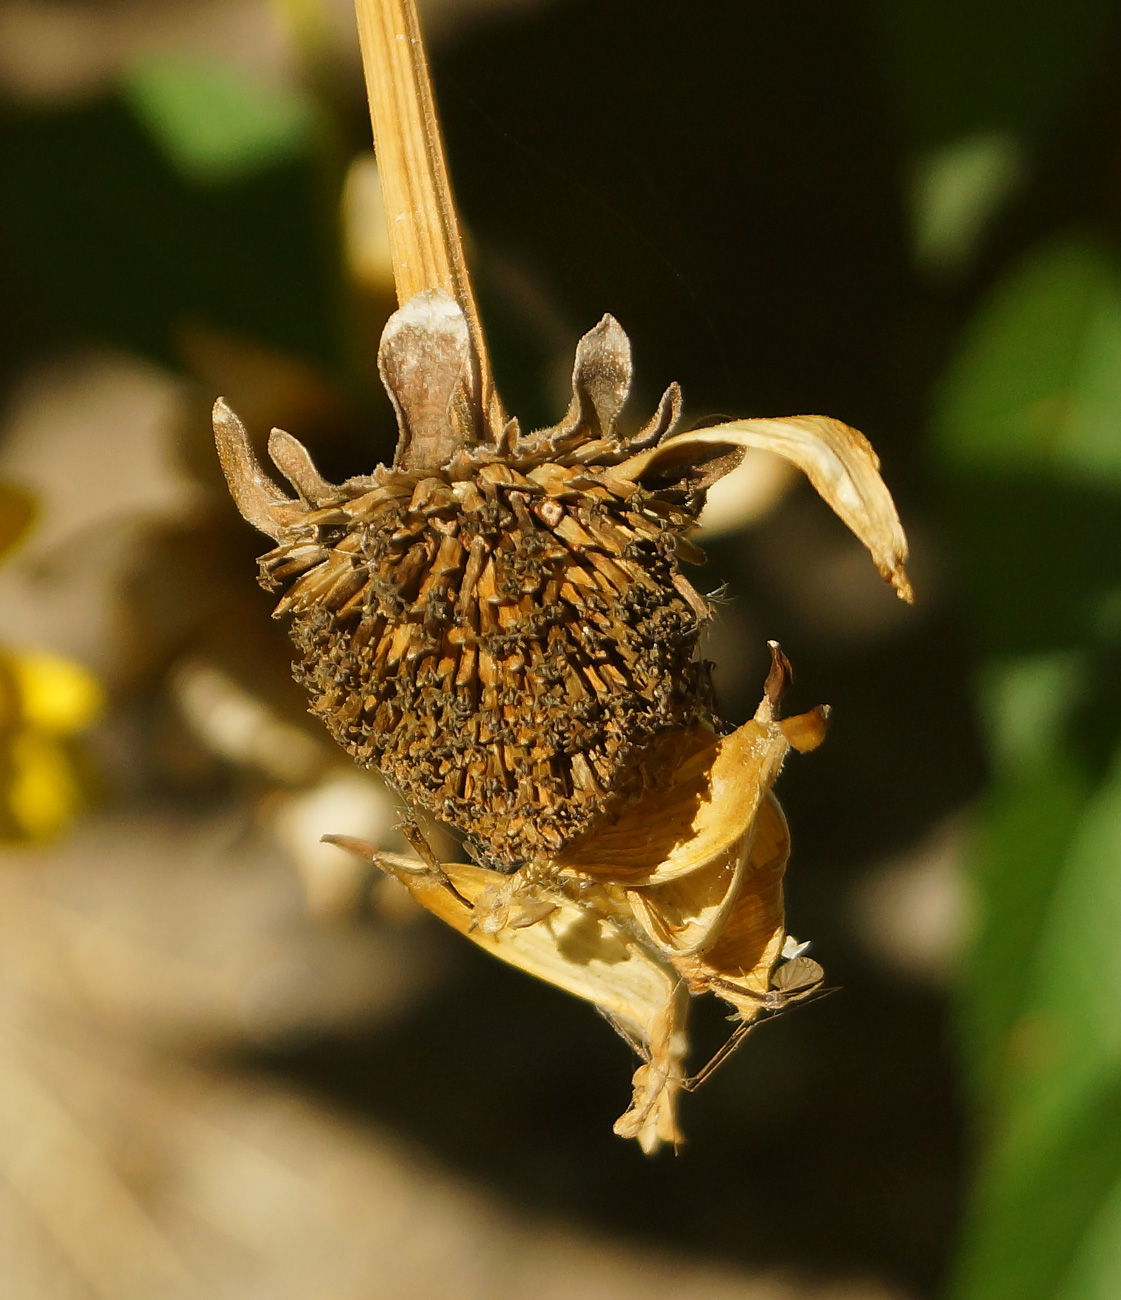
498	622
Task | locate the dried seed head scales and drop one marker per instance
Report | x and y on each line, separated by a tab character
504	635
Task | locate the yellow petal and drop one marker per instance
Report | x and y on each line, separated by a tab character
838	460
56	694
44	793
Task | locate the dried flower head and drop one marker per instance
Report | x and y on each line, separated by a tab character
499	623
501	629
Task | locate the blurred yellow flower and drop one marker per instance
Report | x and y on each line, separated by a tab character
56	695
45	700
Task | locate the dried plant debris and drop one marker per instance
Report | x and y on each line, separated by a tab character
499	623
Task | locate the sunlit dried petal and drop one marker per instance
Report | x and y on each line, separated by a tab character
708	809
686	916
737	967
838	461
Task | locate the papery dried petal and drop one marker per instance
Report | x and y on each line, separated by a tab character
737	967
837	459
710	806
687	915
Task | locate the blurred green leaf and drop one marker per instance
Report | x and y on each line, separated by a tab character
1038	561
117	245
214	121
1035	385
1027	430
1055	1154
1028	816
1028	435
1096	1271
1071	1012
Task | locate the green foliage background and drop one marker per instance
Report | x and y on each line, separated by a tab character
1026	440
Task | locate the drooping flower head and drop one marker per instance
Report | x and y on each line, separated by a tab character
498	622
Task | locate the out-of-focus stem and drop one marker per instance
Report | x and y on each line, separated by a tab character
424	237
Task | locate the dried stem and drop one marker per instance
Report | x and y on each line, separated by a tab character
420	211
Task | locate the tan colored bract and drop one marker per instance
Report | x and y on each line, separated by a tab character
499	623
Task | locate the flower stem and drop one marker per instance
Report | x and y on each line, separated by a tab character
424	237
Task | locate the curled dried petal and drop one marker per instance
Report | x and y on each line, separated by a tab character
838	461
737	966
710	806
687	915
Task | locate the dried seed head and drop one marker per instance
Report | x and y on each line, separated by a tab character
503	630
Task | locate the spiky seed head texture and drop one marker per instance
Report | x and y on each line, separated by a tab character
502	629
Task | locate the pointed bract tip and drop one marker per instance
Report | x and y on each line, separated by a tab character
256	496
